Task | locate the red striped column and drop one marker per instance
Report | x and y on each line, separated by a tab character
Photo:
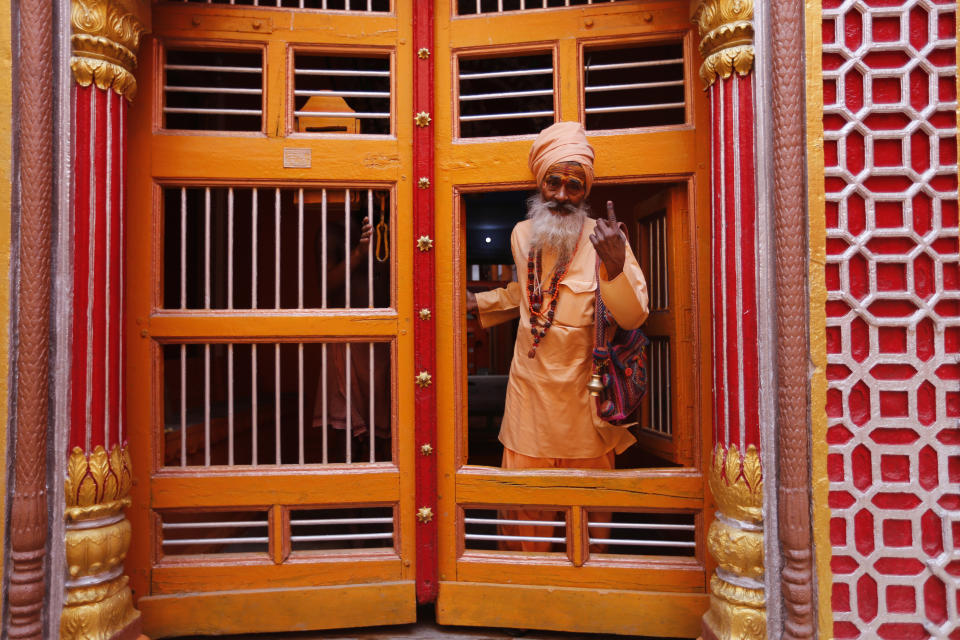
735	539
97	384
98	601
736	411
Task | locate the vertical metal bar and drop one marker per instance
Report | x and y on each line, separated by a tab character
370	250
323	396
660	247
253	252
254	420
668	427
206	405
348	385
323	256
665	281
276	249
661	383
230	246
183	247
478	7
276	398
346	249
500	6
369	6
300	246
650	250
370	422
206	248
230	403
183	405
300	397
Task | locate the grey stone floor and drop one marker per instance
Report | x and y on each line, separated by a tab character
427	629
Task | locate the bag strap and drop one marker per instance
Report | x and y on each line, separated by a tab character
599	313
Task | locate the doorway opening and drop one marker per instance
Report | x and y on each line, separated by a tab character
649	214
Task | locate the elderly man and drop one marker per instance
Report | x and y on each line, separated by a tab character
549	418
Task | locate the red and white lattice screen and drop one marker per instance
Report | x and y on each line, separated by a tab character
893	317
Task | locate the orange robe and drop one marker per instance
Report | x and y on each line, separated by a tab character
549	413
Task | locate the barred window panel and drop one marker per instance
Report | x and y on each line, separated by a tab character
481	7
515	529
247	404
247	248
206	533
213	90
634	87
341	94
506	95
642	534
330	530
361	6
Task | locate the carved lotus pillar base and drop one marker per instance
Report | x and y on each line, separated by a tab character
99	604
735	540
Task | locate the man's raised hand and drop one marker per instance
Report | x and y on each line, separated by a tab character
610	242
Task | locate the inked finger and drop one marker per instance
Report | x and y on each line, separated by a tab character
611	216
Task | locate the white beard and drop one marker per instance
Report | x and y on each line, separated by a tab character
558	231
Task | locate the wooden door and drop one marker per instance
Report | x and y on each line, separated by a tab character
627	550
270	425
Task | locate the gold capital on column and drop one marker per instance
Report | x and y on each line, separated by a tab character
99	602
105	42
735	540
726	38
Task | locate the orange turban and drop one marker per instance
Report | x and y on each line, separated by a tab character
561	142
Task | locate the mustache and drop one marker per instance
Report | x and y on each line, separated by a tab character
566	207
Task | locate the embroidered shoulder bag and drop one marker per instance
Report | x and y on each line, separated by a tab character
619	378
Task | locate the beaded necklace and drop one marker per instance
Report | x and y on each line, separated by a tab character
535	294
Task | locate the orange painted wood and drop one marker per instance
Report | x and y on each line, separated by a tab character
649	613
337	569
672	155
620	572
269	610
282	326
259	487
178	158
190	156
599	21
567	487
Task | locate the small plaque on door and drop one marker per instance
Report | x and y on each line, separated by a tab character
296	158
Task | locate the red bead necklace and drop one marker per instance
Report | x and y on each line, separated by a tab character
535	295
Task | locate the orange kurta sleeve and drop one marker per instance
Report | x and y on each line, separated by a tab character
499	305
626	295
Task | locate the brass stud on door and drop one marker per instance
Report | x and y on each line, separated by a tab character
422	119
424	514
423	380
426	449
424	314
424	243
423	53
423	183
